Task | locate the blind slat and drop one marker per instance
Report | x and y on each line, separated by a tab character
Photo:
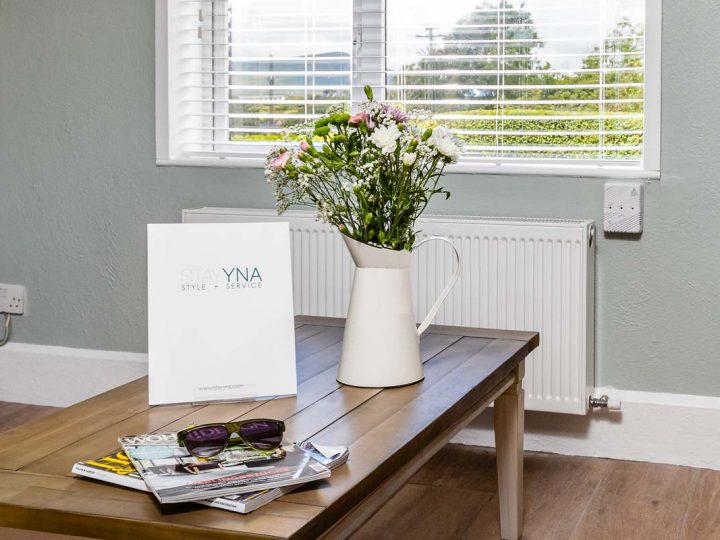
469	148
457	131
447	87
439	72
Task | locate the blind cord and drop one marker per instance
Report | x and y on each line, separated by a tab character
6	335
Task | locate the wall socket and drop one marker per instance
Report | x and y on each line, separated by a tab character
623	207
12	299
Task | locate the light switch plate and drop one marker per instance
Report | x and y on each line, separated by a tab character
623	207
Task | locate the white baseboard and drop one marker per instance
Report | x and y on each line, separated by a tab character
662	428
61	376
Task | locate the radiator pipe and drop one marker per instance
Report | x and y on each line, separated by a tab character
604	402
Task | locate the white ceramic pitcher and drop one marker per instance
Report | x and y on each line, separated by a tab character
381	347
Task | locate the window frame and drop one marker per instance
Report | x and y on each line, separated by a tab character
650	169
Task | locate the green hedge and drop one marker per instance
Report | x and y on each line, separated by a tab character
542	138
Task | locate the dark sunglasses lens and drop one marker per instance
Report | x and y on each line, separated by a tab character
206	441
262	435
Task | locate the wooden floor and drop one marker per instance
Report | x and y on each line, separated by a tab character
455	497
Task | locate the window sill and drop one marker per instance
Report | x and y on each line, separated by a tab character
571	171
502	169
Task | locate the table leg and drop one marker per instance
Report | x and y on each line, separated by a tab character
508	415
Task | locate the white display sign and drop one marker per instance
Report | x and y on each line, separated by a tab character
220	312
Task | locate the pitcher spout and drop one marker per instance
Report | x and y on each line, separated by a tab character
367	256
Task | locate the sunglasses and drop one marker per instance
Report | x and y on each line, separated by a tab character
209	440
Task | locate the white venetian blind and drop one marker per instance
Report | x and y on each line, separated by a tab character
242	71
558	81
523	82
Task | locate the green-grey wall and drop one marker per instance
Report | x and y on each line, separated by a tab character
78	184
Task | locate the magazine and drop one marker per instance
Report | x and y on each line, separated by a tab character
174	475
116	468
330	456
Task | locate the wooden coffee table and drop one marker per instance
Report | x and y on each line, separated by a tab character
391	433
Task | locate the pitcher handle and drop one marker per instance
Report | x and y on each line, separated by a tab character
446	291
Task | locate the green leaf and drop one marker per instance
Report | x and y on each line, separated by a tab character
368	92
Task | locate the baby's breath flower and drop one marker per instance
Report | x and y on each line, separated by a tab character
357	171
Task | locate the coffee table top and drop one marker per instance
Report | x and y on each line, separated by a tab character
382	428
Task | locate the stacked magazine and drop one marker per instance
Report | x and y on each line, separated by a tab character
240	479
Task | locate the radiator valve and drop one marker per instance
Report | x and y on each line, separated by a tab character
605	402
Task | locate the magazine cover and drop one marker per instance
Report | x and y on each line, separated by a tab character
116	468
330	456
174	475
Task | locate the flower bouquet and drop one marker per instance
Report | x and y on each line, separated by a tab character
371	174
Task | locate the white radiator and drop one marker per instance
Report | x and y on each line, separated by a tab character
518	274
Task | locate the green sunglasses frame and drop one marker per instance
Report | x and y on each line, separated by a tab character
232	428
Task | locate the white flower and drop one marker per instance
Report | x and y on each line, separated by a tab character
445	143
385	138
409	159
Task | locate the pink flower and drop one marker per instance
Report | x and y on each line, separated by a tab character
280	161
357	118
304	146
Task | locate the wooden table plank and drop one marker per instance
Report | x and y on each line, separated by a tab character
375	406
532	338
318	342
106	440
304	331
398	477
21	447
154	419
336	400
174	417
91	507
37	439
387	430
391	441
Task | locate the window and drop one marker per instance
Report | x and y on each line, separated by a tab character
547	86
